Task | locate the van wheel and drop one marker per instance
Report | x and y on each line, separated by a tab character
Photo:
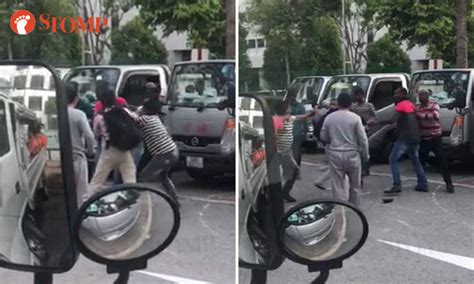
199	174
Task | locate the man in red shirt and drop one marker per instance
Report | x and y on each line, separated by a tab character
427	113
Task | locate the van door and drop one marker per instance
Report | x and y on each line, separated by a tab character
381	96
133	85
12	197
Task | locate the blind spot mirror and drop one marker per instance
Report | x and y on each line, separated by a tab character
321	234
126	225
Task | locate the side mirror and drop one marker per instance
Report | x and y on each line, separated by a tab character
310	95
126	225
321	234
460	99
37	192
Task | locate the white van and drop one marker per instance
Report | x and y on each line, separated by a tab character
20	178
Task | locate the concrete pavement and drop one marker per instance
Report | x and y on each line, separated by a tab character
418	238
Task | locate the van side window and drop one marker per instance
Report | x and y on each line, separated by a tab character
134	90
4	142
382	95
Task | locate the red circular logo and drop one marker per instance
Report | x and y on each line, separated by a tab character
22	22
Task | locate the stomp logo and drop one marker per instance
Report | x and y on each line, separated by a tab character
23	22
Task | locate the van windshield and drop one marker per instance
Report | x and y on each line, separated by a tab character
306	84
341	84
201	84
442	86
86	79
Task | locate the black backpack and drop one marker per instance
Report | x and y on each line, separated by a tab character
124	133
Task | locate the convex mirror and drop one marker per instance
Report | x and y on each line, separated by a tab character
127	223
321	234
36	175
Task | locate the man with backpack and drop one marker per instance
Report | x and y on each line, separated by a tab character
118	133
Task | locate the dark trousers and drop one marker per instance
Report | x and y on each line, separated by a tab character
157	169
436	146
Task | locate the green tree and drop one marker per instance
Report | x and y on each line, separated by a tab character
244	61
203	20
135	43
41	45
385	56
430	23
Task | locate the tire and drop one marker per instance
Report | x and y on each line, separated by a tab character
200	174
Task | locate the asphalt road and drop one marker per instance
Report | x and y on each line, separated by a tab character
203	251
418	238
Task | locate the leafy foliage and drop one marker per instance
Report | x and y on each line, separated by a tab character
246	74
204	20
430	23
301	40
135	43
385	56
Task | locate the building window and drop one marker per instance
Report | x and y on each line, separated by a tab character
52	85
35	103
19	82
186	55
251	43
37	82
260	42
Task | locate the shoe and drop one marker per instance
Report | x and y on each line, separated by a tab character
289	198
421	188
365	173
394	189
450	188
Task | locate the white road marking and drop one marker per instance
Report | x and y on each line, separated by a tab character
380	174
462	261
404	223
207	200
204	223
173	279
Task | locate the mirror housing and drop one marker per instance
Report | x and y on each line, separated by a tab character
460	99
139	203
310	95
312	233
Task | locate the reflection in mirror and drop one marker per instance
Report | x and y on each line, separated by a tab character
253	241
322	231
33	218
126	224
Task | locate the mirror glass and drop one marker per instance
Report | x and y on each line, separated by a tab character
126	224
33	217
321	231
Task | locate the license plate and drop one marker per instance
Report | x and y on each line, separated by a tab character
194	162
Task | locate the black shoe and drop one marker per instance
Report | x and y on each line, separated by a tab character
395	189
365	173
450	188
289	198
421	188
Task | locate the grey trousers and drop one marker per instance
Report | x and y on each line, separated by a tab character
81	176
342	164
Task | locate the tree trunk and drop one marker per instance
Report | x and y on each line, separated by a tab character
287	69
9	48
230	32
461	34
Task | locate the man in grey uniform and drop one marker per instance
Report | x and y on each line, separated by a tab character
348	148
82	140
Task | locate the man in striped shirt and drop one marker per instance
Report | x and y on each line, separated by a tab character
161	152
284	141
427	113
